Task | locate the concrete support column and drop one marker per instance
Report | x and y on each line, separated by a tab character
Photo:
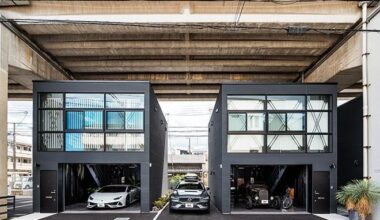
374	104
3	118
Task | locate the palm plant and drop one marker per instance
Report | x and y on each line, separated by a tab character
359	195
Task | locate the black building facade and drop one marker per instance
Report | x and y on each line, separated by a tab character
88	134
278	136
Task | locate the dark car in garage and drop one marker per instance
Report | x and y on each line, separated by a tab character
190	195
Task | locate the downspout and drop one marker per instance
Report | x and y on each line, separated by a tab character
365	83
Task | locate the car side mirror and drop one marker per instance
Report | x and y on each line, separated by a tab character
207	188
171	188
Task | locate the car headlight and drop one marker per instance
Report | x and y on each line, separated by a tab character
205	199
174	199
271	198
256	198
91	198
117	198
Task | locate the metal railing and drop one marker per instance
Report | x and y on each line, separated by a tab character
8	203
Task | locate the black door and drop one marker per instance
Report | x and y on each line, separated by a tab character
48	188
321	192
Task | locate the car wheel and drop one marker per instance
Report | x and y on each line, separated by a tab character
127	201
249	204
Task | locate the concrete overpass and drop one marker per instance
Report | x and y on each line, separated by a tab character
185	49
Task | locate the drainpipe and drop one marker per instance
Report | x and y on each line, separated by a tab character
366	115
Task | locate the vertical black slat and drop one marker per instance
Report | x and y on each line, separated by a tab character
64	126
265	150
104	122
305	124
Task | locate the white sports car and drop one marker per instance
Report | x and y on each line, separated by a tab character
113	196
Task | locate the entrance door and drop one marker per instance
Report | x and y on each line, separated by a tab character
48	191
321	192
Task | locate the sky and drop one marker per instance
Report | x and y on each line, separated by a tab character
187	123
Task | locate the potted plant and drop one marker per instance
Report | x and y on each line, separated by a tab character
359	196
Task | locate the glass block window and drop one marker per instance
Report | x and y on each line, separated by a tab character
318	143
245	102
125	142
88	120
276	121
295	121
51	120
50	100
286	102
51	142
81	100
287	123
116	120
237	122
318	102
245	143
255	121
131	101
84	142
279	143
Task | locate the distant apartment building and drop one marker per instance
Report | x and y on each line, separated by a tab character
19	164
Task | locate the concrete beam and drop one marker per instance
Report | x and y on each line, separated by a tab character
20	96
187	97
187	66
186	89
50	8
191	44
18	89
187	51
343	66
193	78
23	77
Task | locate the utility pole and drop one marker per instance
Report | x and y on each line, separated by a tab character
14	147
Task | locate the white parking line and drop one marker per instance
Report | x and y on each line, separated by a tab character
159	212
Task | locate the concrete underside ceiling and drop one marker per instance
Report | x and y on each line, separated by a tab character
185	49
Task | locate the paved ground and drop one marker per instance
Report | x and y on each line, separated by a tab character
216	215
81	207
100	216
24	206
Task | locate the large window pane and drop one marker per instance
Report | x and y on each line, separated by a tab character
125	101
318	102
276	121
237	122
116	120
317	122
318	143
125	142
51	120
280	143
296	121
79	100
93	120
84	142
245	143
134	120
286	103
51	100
51	142
255	121
74	120
245	102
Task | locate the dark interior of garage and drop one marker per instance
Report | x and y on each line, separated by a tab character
268	188
83	179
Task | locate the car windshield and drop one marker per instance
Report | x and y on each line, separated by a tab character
195	186
112	189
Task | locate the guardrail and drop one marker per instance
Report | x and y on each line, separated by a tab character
7	203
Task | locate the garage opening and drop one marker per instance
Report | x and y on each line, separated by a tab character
102	187
275	188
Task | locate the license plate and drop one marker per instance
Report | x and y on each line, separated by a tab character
101	205
188	205
264	201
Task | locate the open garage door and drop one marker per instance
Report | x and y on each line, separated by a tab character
102	187
275	188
